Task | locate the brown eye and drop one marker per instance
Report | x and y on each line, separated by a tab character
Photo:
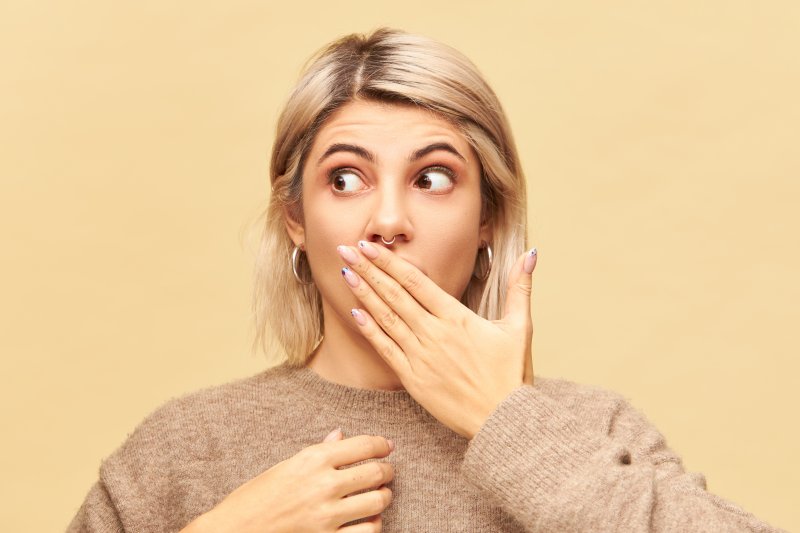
345	181
436	179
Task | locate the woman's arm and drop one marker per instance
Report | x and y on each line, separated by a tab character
598	466
594	467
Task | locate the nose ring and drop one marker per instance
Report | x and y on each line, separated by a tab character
388	243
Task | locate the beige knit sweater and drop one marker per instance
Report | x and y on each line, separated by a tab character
555	456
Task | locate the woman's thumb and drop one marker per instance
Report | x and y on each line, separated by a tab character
334	435
518	297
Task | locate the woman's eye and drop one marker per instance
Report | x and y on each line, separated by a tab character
437	179
345	181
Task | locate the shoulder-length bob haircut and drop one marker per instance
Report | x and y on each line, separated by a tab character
389	66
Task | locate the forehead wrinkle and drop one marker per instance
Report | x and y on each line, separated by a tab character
351	128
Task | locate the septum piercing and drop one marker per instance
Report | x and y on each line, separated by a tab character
388	243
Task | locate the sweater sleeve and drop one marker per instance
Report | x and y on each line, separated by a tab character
97	514
554	468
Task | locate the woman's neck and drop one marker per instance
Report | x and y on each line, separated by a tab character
346	357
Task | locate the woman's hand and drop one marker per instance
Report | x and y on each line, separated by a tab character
457	365
308	492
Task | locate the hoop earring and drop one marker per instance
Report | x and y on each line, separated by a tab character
295	256
485	275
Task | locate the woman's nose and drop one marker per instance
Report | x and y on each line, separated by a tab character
390	219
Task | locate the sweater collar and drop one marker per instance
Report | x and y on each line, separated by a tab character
355	402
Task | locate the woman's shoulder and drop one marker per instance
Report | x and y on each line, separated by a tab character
213	401
188	425
193	436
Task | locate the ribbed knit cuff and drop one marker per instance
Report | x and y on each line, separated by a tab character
527	448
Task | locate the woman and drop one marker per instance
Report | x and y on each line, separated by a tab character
393	276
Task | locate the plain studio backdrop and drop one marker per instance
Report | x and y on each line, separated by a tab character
659	140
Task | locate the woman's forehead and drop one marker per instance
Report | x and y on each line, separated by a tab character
368	117
385	126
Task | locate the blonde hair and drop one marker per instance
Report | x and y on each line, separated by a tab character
390	66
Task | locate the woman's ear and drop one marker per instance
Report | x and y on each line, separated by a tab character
294	227
486	232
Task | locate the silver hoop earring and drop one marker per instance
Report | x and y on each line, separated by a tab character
388	243
489	258
295	257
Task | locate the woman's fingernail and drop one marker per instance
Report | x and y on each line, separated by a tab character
391	445
333	435
368	250
530	261
359	316
347	254
350	277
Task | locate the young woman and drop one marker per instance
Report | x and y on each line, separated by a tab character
393	276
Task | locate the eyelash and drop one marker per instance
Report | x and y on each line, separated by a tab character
449	172
452	175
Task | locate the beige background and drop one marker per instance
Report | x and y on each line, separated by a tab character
660	143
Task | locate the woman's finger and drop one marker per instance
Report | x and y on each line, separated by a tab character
388	288
373	524
370	475
435	299
383	344
520	283
362	505
518	305
334	435
387	318
359	448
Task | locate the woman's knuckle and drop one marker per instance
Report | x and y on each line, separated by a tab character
463	320
328	486
379	501
386	351
386	496
314	456
376	473
523	289
388	471
392	294
367	447
412	280
326	516
364	269
389	318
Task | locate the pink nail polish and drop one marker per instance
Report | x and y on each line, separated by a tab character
368	250
347	254
530	261
333	435
350	277
359	316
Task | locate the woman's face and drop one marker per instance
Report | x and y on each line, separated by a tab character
394	171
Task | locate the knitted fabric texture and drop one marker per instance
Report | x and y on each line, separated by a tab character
552	457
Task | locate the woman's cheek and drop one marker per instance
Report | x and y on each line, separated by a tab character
452	261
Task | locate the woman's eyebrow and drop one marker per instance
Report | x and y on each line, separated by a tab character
342	147
369	156
447	147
